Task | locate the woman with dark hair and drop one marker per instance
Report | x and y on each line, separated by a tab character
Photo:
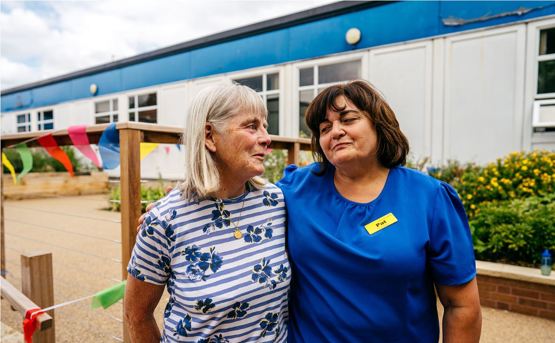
368	239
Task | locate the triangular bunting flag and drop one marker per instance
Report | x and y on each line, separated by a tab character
109	296
49	143
26	158
109	147
9	165
78	135
147	148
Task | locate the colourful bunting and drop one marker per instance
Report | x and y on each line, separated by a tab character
109	147
30	324
109	296
178	147
26	158
49	143
10	167
147	148
167	149
78	135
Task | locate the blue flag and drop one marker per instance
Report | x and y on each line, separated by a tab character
109	147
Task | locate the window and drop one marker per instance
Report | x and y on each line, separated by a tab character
106	111
45	120
23	122
312	80
546	62
267	85
143	108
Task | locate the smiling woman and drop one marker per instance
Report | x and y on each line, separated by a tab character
218	241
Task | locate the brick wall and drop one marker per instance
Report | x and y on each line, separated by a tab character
517	296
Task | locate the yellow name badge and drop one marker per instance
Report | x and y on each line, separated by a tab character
380	223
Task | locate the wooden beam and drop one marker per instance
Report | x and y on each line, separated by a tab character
293	152
2	234
37	283
21	303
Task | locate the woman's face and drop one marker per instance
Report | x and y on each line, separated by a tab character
348	136
241	145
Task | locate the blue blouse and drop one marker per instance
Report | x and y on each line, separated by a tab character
350	285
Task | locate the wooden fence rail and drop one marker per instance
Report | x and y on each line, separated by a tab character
131	134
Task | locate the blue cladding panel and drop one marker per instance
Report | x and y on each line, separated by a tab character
385	24
162	70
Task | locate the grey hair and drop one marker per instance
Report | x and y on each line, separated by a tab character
214	105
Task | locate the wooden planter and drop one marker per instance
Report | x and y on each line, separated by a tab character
41	185
516	289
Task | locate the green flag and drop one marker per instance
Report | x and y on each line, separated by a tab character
26	158
109	296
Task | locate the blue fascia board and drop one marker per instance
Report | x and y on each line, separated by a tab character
385	24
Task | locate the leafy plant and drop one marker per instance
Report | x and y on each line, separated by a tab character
42	162
149	195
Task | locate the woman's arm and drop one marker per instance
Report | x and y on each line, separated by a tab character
462	316
140	301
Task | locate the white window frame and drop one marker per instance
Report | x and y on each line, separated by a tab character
541	58
137	109
359	56
41	121
111	112
536	123
264	93
27	124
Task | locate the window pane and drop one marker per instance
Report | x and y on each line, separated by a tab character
272	81
115	105
131	102
21	129
306	76
48	126
251	82
339	72
115	118
131	116
305	97
102	106
48	115
272	103
147	116
547	41
21	118
40	127
102	119
147	100
546	77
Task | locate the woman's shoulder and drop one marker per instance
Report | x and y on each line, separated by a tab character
423	182
293	173
167	207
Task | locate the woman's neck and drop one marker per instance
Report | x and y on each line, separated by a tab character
362	184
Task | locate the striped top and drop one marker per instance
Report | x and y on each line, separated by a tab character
223	286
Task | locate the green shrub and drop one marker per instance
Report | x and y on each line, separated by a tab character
517	176
514	231
274	164
148	195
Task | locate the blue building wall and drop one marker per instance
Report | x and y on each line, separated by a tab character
385	24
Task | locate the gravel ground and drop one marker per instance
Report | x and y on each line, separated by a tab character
84	241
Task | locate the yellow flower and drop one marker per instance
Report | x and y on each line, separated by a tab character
525	161
536	172
472	206
524	168
481	179
469	196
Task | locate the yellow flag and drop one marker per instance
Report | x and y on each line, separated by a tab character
146	148
9	165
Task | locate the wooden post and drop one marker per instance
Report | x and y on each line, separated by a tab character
293	153
37	283
130	183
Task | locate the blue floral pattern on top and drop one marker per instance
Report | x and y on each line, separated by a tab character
268	324
201	263
270	199
183	326
214	339
205	305
262	273
255	234
239	310
220	218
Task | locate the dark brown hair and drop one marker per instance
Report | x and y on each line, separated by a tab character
393	146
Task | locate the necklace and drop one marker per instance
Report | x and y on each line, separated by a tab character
237	233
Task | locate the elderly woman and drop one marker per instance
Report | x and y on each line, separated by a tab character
217	241
381	236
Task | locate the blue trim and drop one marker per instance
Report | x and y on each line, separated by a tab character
385	24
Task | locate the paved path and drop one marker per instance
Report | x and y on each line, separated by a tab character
84	240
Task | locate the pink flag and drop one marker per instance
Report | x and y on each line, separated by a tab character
167	148
78	135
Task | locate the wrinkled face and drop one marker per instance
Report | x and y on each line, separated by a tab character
240	146
348	135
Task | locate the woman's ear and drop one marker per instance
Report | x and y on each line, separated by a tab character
209	140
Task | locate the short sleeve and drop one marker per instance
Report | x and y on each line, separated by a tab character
451	253
150	261
288	175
